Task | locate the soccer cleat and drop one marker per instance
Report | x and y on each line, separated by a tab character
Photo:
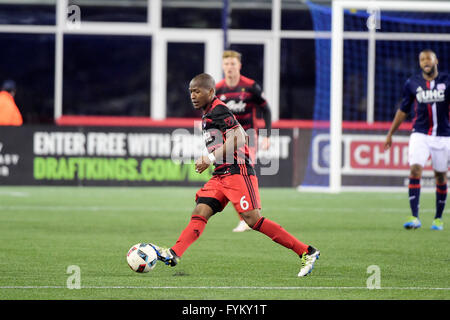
241	227
166	255
412	223
307	261
437	224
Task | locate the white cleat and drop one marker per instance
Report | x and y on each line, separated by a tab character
166	255
307	261
241	227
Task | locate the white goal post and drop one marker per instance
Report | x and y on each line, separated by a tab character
337	60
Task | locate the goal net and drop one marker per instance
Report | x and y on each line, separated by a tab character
366	52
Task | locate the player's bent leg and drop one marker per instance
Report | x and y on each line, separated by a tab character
251	217
204	210
242	225
194	229
308	254
279	235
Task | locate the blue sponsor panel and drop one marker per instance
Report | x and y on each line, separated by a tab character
317	170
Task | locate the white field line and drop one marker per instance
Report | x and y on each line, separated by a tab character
14	194
225	288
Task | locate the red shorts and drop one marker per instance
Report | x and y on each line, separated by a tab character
241	190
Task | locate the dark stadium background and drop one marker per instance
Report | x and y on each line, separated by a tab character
110	75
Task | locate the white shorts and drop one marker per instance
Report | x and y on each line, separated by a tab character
421	146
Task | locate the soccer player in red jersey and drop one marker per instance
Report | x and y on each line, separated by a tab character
244	97
233	180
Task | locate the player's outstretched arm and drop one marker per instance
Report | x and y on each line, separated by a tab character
400	116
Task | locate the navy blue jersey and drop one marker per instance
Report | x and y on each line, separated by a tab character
429	103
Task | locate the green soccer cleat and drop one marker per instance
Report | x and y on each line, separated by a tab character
412	223
437	224
166	255
307	261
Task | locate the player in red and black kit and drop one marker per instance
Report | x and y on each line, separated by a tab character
244	97
233	180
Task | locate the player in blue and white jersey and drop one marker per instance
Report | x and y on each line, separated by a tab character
426	96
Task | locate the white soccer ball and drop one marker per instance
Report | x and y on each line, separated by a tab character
142	257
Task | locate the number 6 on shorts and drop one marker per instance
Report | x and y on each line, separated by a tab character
243	203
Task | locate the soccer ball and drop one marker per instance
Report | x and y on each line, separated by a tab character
142	257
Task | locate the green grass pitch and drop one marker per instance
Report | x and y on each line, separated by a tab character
44	230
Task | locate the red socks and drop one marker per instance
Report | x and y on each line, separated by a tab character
191	233
280	235
271	229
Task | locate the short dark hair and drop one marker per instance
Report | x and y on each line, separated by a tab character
204	80
429	51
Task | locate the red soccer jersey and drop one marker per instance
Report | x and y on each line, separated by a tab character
216	122
243	100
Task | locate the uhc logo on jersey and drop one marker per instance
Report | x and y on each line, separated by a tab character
431	96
